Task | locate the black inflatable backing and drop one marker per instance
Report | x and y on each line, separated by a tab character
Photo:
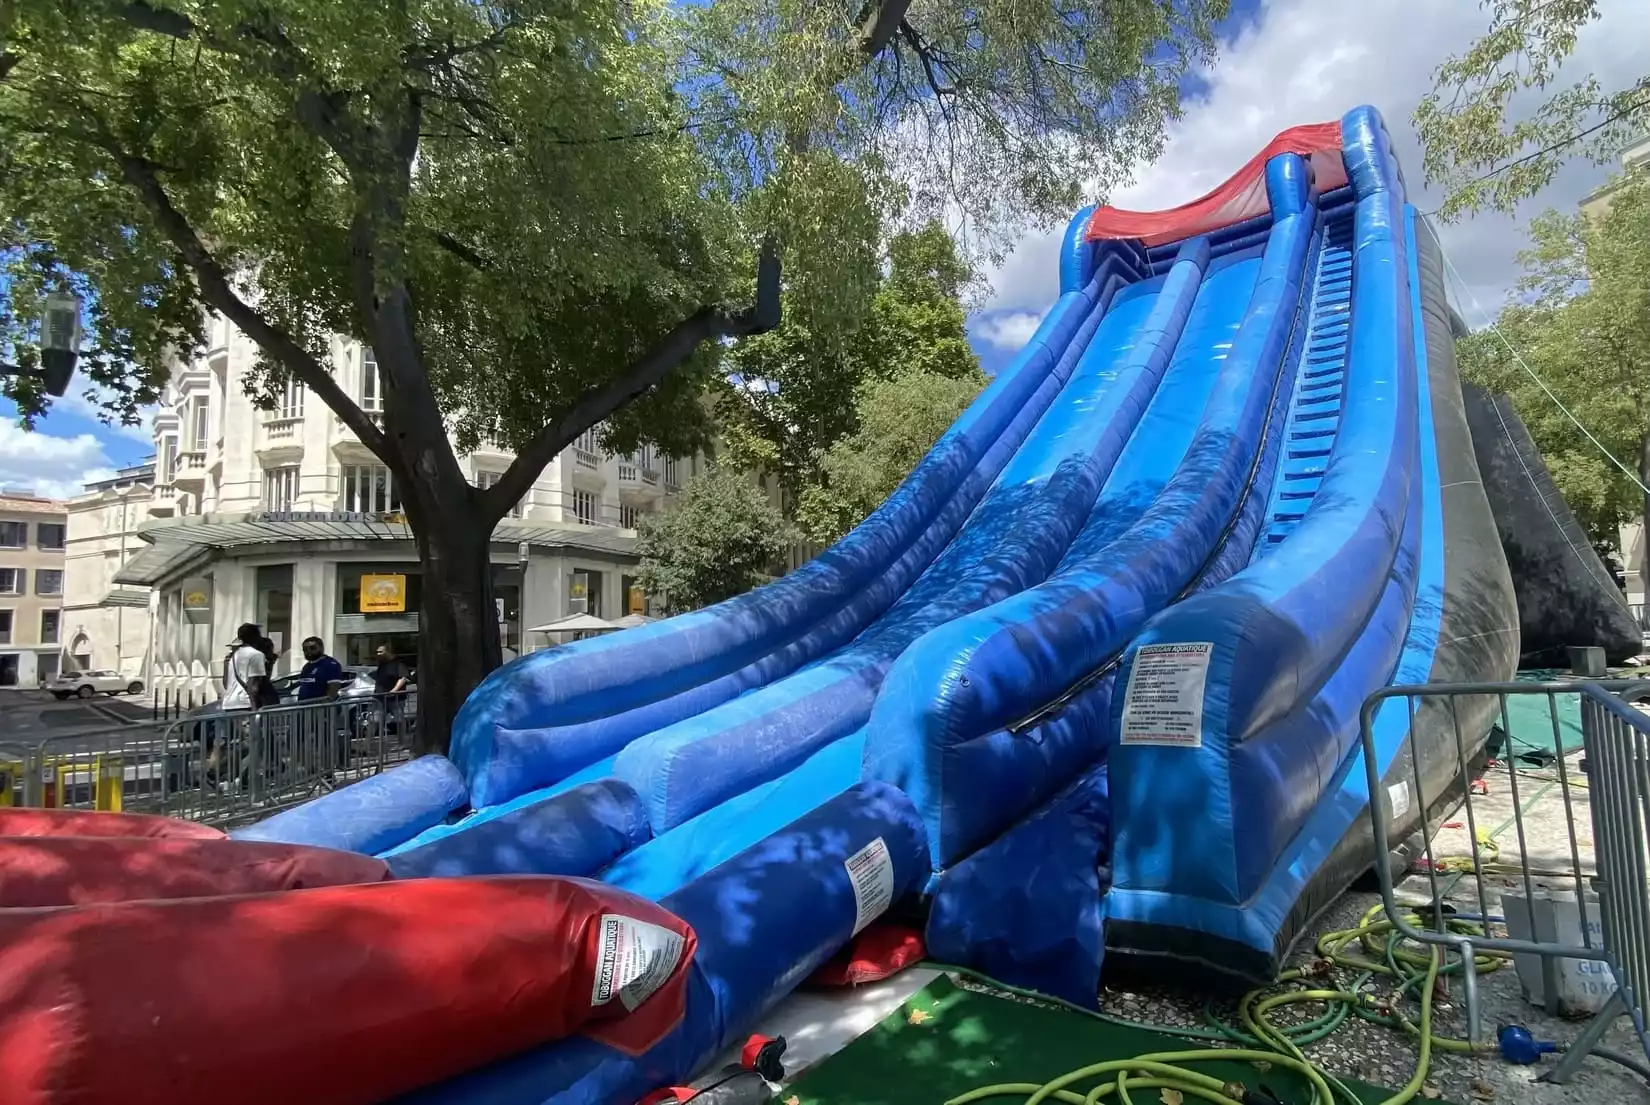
1566	596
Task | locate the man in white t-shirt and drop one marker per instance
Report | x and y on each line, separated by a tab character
244	668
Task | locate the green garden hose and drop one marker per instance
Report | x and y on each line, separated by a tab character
1380	951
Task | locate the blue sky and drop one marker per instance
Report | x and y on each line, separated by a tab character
1282	62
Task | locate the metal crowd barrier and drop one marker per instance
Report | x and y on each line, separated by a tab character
217	768
1576	927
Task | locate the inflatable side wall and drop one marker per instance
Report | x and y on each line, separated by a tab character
1566	595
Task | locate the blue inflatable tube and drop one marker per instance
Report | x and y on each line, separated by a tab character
589	827
1277	630
765	921
983	672
610	675
1029	908
373	814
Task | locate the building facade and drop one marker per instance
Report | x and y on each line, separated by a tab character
281	516
33	534
106	625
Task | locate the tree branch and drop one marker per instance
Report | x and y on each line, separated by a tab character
216	290
878	22
708	323
458	249
8	62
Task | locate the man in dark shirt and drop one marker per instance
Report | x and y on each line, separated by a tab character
321	674
390	676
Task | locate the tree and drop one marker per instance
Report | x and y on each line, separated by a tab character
1471	143
720	540
900	419
541	216
791	395
1583	328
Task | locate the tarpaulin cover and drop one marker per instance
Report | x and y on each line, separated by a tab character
576	833
1242	196
766	920
372	815
21	822
65	870
336	996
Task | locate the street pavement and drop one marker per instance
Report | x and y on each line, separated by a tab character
27	717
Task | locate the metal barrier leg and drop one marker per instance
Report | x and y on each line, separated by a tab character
1584	1045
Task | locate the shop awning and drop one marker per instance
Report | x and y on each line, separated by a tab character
176	541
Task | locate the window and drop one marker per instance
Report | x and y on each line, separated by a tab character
372	392
584	507
5	627
485	479
14	535
49	621
280	487
587	441
50	535
291	401
11	581
368	489
168	461
672	472
48	581
199	419
629	514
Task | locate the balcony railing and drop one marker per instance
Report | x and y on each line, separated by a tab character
282	429
584	458
627	472
650	477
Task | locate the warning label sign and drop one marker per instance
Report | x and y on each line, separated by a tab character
1164	700
871	870
634	958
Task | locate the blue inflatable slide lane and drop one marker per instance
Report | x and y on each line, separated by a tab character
1086	685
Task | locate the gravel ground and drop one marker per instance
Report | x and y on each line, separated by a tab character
1385	1057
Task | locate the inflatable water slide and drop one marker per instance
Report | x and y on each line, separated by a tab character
1086	687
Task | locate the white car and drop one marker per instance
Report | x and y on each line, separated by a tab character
85	684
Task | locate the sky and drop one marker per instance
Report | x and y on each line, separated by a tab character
1287	62
1281	63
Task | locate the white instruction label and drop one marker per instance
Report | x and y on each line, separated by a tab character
1164	700
634	958
871	871
1398	796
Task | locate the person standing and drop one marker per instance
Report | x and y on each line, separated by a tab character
321	674
390	677
245	669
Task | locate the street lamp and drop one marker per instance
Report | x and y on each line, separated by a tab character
59	343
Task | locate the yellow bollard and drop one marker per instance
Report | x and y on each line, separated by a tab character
109	784
11	777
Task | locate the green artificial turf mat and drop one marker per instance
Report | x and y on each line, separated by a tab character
945	1040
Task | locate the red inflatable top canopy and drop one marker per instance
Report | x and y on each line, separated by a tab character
1243	196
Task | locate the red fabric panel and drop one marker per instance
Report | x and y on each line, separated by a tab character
1243	196
336	996
20	822
881	951
67	870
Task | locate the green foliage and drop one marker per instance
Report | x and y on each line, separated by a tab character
1472	144
720	540
900	419
795	396
1583	327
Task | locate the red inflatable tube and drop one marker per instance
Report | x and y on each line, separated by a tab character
20	822
68	870
337	996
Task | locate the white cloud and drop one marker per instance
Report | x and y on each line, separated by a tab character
1303	61
84	402
56	467
1006	329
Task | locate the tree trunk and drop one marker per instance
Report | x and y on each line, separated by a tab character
457	623
1644	524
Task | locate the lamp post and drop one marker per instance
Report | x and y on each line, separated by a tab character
59	344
